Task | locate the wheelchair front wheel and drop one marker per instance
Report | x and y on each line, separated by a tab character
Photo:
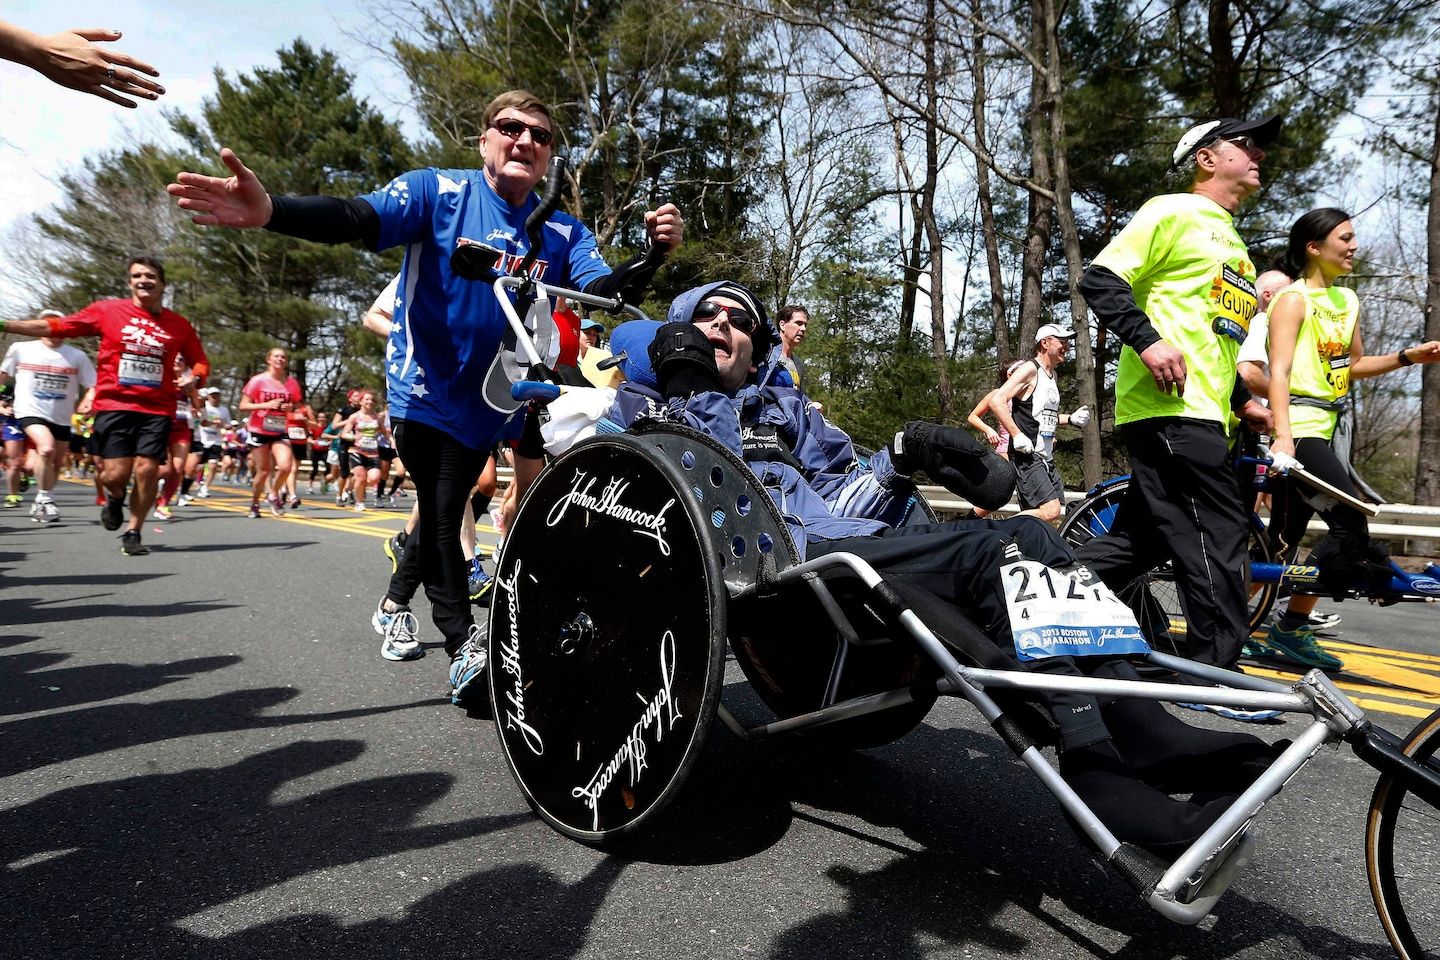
1402	848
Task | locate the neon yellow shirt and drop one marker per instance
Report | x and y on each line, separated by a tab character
1321	368
1192	276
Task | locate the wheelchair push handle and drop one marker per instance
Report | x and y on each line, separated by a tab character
554	179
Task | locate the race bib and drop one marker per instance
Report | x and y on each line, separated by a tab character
1056	613
1049	420
368	442
1235	302
50	386
273	423
138	370
299	434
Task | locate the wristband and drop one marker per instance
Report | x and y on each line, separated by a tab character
1404	356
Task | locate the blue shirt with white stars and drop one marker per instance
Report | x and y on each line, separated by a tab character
446	331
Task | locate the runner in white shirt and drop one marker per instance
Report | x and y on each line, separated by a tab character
49	375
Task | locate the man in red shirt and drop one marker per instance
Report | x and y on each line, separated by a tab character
135	391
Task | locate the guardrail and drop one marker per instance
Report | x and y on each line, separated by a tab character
1399	523
1396	523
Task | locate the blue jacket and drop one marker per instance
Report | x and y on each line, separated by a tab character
806	463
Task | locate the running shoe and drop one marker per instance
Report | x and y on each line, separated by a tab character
468	666
400	641
1300	646
254	511
13	501
1317	621
294	502
99	500
204	492
277	506
130	544
49	513
359	508
163	512
395	550
1234	713
112	514
1255	650
185	500
480	583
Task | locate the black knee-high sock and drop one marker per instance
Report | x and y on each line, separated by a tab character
480	504
395	484
185	485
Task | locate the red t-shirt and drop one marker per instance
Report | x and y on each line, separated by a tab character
135	367
263	387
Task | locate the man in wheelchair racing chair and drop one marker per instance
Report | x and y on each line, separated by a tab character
1125	758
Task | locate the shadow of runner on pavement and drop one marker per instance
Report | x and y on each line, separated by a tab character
30	611
108	869
39	741
26	686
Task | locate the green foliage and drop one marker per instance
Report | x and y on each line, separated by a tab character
302	131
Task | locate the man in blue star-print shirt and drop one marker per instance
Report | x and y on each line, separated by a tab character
446	333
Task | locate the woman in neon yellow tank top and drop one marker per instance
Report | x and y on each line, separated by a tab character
1315	351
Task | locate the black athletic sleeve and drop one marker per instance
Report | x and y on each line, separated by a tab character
1113	302
325	219
1239	394
627	281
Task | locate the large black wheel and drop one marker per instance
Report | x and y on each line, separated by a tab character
1155	596
1402	854
607	637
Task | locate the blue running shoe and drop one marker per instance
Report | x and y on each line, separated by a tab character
468	666
480	584
1300	646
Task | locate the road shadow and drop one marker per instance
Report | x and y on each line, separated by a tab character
29	611
183	864
86	580
26	685
992	839
229	547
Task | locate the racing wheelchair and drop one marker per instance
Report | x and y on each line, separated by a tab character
604	686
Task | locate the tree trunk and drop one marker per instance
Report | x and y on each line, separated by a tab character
1427	470
1070	238
932	227
1042	208
987	208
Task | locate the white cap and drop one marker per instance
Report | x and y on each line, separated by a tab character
1054	330
1192	138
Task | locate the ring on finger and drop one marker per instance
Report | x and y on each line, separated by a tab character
110	72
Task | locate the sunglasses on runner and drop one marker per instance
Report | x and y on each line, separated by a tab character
515	129
709	310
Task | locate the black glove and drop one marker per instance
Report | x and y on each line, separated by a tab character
684	361
956	460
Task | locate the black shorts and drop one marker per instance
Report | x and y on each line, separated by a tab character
265	439
1037	481
212	452
196	446
360	460
387	454
127	433
61	434
77	443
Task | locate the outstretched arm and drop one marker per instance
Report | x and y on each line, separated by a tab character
238	201
73	60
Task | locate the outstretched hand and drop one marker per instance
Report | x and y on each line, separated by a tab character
239	201
73	60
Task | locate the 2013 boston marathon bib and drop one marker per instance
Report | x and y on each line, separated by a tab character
1065	613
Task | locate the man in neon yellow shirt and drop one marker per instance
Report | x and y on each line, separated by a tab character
1177	286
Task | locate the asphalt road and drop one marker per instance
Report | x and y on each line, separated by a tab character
202	754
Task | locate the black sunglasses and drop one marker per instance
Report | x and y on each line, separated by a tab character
515	129
709	310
